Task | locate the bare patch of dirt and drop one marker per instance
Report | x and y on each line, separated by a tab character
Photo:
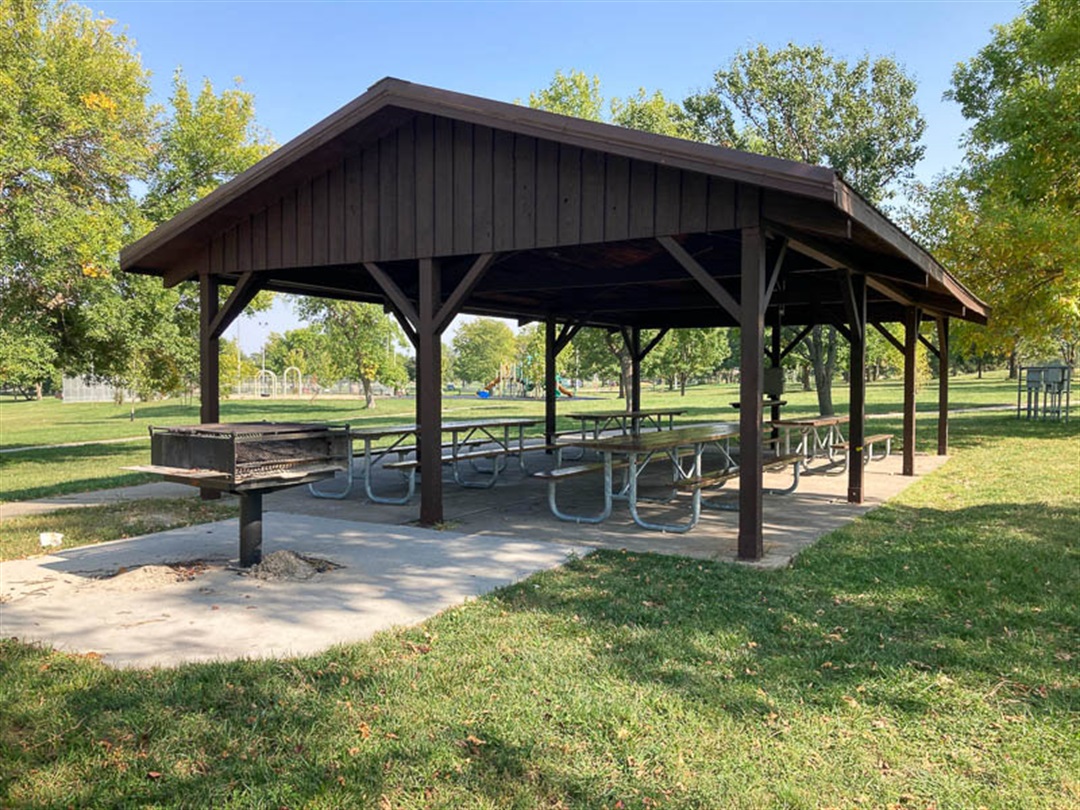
148	577
288	565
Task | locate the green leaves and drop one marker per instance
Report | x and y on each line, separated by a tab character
481	347
804	104
206	142
362	337
1006	221
77	132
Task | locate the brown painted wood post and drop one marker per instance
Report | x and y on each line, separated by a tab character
752	323
209	362
635	369
209	346
429	394
943	386
549	380
774	356
857	375
911	340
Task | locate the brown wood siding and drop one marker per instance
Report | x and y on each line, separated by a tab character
483	187
335	198
435	187
406	187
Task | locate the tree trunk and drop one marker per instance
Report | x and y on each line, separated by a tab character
1014	362
978	366
682	385
822	348
626	372
804	377
369	396
38	391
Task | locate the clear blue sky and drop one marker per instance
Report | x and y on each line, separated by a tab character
303	60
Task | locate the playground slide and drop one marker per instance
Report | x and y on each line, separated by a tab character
566	392
485	392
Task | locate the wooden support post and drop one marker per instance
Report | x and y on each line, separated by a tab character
429	393
550	353
943	386
209	362
775	358
635	369
857	374
911	340
752	323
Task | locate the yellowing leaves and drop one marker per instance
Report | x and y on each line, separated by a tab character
94	270
99	102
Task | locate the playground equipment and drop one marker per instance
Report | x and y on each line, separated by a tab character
511	383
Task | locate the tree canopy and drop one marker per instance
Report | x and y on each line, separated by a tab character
803	103
364	340
481	347
1006	221
77	135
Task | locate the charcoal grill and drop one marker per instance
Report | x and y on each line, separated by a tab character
248	459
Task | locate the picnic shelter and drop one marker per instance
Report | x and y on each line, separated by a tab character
434	203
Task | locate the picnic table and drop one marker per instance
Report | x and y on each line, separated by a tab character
818	435
627	422
682	446
465	435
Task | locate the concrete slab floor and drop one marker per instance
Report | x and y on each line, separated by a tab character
389	576
517	507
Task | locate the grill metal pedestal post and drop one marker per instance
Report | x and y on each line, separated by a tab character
250	528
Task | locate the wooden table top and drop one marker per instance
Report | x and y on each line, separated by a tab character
661	439
812	421
645	412
465	424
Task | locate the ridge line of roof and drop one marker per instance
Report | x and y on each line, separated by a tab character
391	91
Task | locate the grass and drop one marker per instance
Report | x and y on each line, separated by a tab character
85	526
925	656
38	473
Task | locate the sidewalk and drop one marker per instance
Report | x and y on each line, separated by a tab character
160	489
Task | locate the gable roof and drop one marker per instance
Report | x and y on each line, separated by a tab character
839	223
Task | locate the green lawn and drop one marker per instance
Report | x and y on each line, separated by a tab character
926	656
40	473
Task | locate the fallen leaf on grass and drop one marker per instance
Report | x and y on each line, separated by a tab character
472	744
153	774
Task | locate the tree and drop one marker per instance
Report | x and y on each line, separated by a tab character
652	114
75	131
577	95
1007	220
309	349
599	353
802	103
481	348
27	362
76	134
531	357
203	143
688	354
363	336
573	94
233	366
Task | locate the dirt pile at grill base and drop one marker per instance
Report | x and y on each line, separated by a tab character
289	565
